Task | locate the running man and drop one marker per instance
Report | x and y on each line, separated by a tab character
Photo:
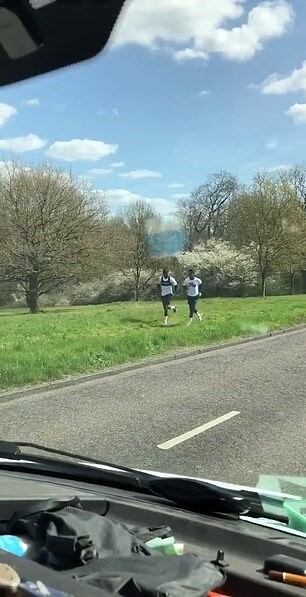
167	287
194	286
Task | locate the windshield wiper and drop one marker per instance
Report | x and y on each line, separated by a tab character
201	496
70	465
196	495
14	450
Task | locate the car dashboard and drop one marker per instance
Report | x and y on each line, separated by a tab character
245	546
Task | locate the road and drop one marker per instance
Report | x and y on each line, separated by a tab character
254	394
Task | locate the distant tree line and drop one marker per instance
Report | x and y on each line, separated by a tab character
59	241
244	235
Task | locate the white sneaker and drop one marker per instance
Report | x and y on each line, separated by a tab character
199	316
189	322
166	321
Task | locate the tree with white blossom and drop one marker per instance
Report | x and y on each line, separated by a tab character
223	264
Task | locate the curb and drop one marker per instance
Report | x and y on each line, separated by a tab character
130	367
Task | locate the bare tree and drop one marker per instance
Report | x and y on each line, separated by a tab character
264	220
294	258
49	228
185	212
133	248
296	177
203	214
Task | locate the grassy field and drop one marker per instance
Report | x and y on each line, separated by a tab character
63	342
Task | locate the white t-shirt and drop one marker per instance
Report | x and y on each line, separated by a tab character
192	286
167	285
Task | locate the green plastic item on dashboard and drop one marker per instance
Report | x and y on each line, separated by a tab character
159	543
166	546
296	512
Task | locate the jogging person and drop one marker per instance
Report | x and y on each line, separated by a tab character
193	286
167	287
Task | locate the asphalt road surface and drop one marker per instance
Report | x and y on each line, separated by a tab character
231	414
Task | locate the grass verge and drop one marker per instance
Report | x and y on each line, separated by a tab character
68	341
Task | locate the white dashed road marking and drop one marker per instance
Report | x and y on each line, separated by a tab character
189	434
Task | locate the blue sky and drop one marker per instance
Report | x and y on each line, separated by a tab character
185	88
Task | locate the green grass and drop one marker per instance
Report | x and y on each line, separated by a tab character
63	342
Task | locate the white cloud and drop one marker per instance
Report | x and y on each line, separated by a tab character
21	144
6	112
117	165
119	198
80	149
100	171
178	196
104	112
8	166
272	144
204	92
138	174
279	167
194	29
265	21
32	102
276	85
189	54
297	113
176	185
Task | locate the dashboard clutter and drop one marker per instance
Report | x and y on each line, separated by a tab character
94	550
297	580
13	544
283	563
296	512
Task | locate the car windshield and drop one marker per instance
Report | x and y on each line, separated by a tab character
153	246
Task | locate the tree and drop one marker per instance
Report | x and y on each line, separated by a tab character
203	214
222	264
296	178
294	258
133	246
49	230
185	212
263	220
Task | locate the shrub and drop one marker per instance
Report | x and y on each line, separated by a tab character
224	268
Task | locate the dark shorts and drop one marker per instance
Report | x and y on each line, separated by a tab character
166	300
192	302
